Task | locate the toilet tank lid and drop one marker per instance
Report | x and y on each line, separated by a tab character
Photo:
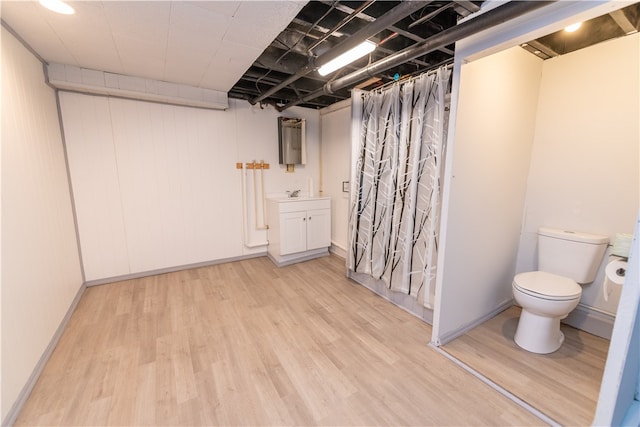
575	236
547	284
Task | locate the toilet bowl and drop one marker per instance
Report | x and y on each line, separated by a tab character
545	299
566	259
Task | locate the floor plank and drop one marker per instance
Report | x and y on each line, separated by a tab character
247	343
564	385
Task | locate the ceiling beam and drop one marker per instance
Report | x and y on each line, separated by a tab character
543	48
623	21
396	14
468	5
404	33
490	19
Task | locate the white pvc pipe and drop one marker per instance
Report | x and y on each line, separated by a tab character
264	204
245	237
255	199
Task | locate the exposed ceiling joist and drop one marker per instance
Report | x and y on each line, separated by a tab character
623	21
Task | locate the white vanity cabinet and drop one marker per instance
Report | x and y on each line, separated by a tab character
299	229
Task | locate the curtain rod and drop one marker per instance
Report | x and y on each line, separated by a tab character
447	64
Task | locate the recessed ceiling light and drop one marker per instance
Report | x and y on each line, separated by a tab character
58	6
573	27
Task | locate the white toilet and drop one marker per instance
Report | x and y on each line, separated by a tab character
565	258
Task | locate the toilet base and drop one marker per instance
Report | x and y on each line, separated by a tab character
538	334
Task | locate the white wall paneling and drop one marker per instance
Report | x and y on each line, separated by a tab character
336	152
93	166
172	162
164	172
41	272
171	192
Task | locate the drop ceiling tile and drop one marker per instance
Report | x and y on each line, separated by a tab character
185	72
219	78
144	66
28	19
224	8
95	45
133	45
238	51
223	72
199	21
207	43
252	29
142	18
182	38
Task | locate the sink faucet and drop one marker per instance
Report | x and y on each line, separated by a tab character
293	193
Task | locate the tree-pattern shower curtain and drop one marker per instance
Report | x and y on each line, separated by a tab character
398	136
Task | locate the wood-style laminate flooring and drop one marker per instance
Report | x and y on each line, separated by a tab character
247	343
563	385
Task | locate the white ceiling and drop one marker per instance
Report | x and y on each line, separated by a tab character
207	44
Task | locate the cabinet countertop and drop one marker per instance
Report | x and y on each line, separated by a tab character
285	199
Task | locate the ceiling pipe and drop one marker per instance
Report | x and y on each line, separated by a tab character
396	14
431	15
404	33
451	35
341	24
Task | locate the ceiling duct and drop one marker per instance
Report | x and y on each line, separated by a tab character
491	18
95	82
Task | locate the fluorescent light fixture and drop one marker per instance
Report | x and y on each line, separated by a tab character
58	6
573	27
348	57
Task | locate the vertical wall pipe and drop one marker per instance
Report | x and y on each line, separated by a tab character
245	226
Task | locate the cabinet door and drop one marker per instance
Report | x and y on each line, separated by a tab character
318	228
293	232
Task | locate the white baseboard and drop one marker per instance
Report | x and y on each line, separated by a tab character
338	250
450	336
13	413
591	320
171	269
284	260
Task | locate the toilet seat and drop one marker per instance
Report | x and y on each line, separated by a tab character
540	284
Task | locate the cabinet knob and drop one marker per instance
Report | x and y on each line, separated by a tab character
304	219
309	218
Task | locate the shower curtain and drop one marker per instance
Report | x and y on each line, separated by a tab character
397	140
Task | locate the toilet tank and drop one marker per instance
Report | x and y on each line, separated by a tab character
571	254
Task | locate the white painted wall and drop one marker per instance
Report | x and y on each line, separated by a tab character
41	272
488	158
336	152
585	160
156	186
